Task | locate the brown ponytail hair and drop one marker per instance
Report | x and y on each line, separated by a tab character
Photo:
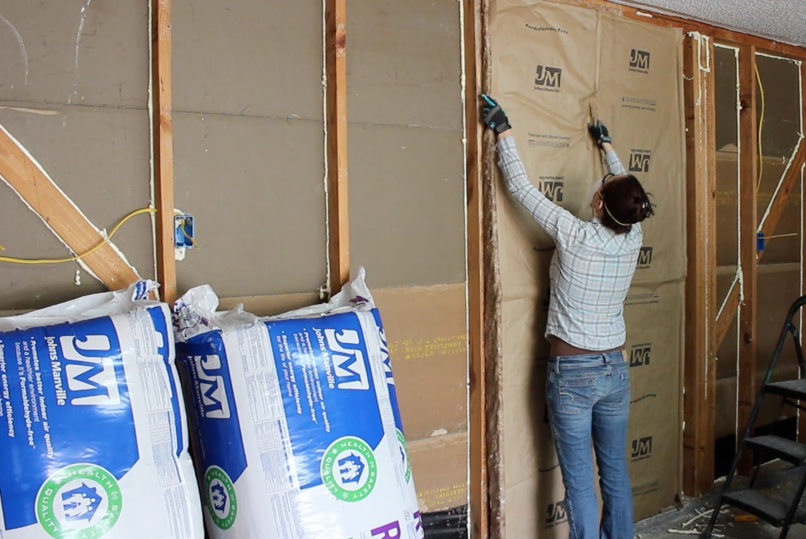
625	202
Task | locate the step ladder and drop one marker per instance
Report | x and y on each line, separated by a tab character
780	513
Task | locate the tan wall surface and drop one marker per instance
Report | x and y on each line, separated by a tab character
589	54
74	92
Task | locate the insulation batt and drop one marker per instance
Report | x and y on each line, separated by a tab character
296	422
94	438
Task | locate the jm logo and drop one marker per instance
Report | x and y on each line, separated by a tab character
639	161
349	364
553	190
645	257
387	362
90	370
548	77
211	386
555	513
639	61
642	448
640	355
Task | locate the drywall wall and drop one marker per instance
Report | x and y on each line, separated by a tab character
74	92
405	141
407	226
249	132
249	144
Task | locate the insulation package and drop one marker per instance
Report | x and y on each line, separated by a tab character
556	67
295	425
94	438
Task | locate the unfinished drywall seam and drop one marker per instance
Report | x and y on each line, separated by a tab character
20	44
101	232
151	178
324	290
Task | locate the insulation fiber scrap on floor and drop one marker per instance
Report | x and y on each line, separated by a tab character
553	67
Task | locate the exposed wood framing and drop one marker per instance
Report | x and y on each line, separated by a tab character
475	277
493	352
646	15
39	192
700	360
801	175
789	185
748	310
338	221
163	146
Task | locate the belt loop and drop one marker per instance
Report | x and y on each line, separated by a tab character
605	359
557	365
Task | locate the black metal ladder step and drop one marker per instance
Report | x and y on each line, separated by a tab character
795	389
769	508
787	450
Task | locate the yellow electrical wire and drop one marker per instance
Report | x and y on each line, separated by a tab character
188	236
760	130
106	240
184	231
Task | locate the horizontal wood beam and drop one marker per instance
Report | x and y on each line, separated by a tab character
60	214
646	15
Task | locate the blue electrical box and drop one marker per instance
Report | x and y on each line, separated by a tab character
185	232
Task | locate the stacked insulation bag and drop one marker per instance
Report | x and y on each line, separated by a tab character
296	428
94	433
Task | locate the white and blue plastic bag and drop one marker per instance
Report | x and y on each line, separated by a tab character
94	434
296	421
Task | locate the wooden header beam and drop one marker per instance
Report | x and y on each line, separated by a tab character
163	147
62	216
646	15
700	360
337	202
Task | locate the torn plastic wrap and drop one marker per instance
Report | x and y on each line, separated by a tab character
296	424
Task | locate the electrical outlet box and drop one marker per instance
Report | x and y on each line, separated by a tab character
185	230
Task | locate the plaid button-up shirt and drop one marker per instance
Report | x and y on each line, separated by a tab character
592	267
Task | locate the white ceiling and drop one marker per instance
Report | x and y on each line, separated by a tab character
782	20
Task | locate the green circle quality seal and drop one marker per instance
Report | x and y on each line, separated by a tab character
404	454
219	494
349	469
80	501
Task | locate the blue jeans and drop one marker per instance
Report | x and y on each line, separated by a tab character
588	400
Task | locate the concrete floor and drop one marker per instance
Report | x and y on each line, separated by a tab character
779	484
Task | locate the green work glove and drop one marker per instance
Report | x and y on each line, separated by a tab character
493	115
599	133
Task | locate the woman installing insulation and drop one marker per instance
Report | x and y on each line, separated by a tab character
588	382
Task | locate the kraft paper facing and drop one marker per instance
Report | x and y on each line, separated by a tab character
554	66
